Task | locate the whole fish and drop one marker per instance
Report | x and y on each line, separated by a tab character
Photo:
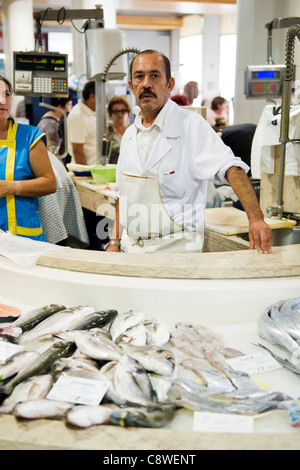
16	363
85	416
60	321
39	365
43	408
153	358
131	382
30	319
124	321
96	320
95	346
146	417
182	394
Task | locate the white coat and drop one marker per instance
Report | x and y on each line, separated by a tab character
186	154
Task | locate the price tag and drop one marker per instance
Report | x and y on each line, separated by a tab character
222	422
8	350
254	363
79	390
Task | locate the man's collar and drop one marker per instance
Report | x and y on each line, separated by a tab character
159	120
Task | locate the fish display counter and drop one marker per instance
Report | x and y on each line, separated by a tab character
221	296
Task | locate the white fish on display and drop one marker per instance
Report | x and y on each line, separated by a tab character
153	358
123	322
60	321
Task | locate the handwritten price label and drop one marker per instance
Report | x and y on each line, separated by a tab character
222	422
254	363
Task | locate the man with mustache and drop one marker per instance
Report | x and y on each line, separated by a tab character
166	158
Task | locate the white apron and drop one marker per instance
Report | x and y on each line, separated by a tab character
147	226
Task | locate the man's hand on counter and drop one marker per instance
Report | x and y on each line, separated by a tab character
260	236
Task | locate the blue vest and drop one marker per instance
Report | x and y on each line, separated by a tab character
19	214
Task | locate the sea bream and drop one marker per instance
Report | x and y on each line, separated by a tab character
124	321
60	321
153	358
131	382
95	346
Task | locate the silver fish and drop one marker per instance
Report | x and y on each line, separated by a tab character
60	321
124	321
95	346
146	417
157	332
85	416
66	364
96	320
39	365
35	388
135	334
44	408
186	395
295	368
152	358
108	370
132	383
16	363
275	332
30	319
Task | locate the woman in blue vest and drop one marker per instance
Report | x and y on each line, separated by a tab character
25	172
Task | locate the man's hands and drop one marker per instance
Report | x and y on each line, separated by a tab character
259	232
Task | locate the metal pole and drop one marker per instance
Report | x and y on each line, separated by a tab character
100	117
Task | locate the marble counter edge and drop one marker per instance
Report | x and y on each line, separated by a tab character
282	262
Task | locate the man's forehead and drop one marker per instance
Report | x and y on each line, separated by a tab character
149	62
2	85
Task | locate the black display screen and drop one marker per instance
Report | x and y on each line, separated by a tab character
41	62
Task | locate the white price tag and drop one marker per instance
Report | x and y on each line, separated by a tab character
8	350
222	422
254	363
79	390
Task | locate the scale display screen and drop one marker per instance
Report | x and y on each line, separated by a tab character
40	74
264	81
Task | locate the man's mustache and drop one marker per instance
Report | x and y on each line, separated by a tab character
147	91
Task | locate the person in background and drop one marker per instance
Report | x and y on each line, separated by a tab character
81	126
191	90
167	156
119	111
50	121
219	107
25	172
